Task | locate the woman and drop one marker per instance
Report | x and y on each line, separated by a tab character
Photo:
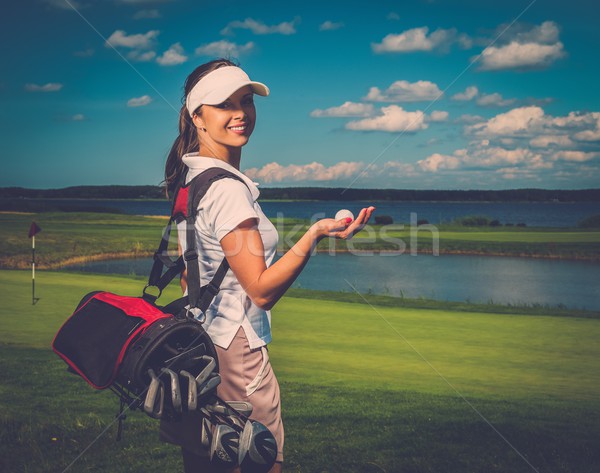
215	122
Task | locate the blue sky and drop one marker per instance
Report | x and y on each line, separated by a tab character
423	94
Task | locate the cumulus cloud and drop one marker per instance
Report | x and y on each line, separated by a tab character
392	119
404	91
524	142
331	25
545	141
134	41
260	28
419	39
393	16
438	116
78	117
518	121
141	56
49	87
347	109
437	161
482	99
224	48
535	48
275	172
495	99
172	56
576	156
139	101
469	94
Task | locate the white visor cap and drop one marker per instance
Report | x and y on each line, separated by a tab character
217	86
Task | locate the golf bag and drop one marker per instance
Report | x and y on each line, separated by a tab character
160	359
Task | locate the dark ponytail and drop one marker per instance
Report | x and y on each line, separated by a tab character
187	141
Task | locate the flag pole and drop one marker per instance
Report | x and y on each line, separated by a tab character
33	299
33	229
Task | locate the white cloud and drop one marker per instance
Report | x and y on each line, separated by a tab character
134	41
576	156
78	117
495	99
438	116
469	94
347	109
523	120
419	39
404	91
258	27
437	161
545	141
49	87
525	48
275	172
224	48
520	56
139	101
331	25
141	56
172	56
393	119
393	16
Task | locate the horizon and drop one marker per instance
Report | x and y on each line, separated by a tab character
429	95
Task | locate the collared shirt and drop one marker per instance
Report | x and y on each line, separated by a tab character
228	203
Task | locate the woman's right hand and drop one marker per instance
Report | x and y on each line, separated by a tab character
343	229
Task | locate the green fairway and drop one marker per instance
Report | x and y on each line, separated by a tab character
76	237
365	388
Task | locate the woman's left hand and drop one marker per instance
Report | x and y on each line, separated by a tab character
343	229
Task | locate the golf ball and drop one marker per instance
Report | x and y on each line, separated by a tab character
344	213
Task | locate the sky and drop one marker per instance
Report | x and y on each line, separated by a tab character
419	94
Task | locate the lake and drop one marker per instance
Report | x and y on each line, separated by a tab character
482	279
533	214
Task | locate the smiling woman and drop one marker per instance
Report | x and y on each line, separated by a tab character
231	231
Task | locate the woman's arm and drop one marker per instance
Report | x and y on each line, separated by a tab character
244	250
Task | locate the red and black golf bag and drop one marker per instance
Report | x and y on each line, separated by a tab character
159	358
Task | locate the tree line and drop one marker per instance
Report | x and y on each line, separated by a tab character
319	193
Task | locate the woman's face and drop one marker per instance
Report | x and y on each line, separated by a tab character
228	125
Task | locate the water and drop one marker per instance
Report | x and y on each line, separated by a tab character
533	214
482	279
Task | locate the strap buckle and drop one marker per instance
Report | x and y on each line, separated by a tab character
190	254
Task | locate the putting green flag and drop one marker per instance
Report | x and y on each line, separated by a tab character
34	229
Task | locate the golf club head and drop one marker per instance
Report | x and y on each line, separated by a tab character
154	401
224	447
211	364
257	449
173	395
188	384
206	434
209	385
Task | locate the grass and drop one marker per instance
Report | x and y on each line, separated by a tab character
366	388
70	238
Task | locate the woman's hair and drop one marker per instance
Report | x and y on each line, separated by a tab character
187	141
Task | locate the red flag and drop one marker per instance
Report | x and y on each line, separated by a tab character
34	229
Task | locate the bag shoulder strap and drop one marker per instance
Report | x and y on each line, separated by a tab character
186	200
202	297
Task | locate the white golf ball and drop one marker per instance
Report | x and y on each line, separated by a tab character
343	213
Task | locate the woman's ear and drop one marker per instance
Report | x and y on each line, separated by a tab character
198	123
